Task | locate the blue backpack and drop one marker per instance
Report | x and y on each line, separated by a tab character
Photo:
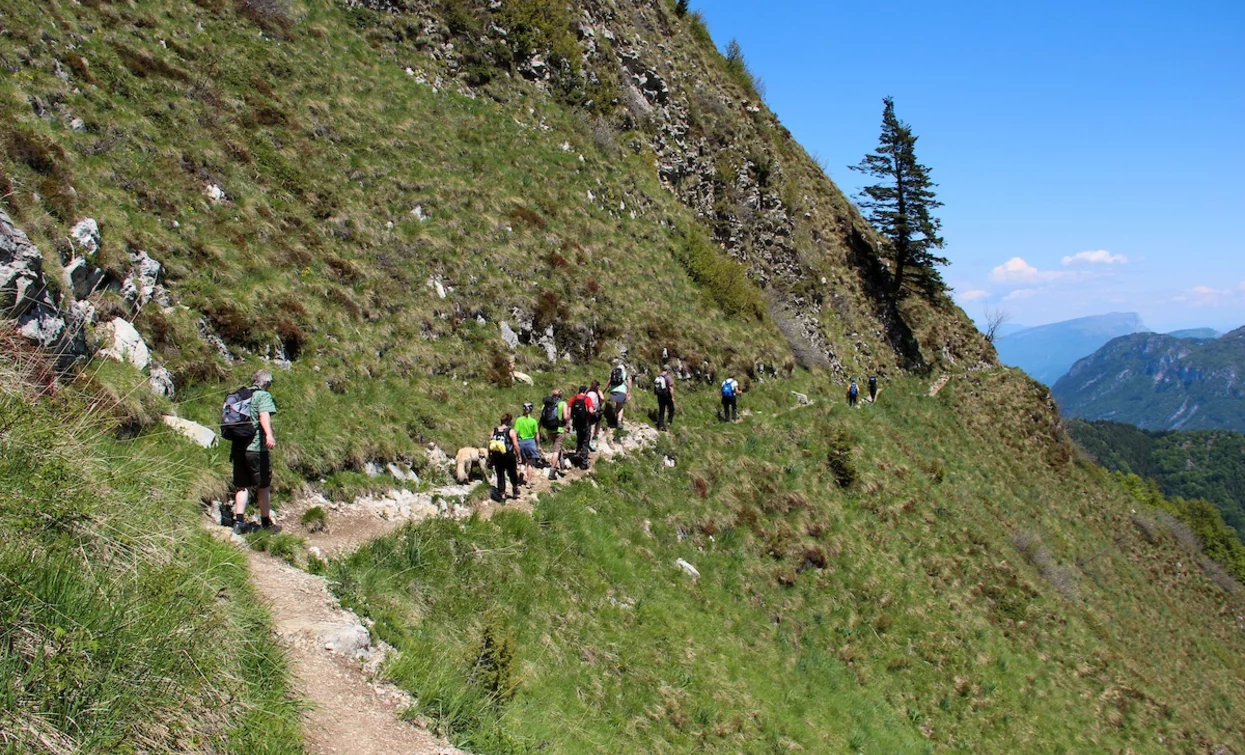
728	388
853	390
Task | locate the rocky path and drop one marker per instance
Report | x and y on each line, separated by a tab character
332	657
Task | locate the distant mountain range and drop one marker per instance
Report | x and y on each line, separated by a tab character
1046	352
1205	334
1160	382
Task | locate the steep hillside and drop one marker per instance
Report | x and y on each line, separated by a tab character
1207	464
1158	382
1046	352
410	208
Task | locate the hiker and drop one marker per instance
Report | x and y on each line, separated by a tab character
873	388
663	386
581	415
853	391
598	409
730	399
553	419
247	421
528	431
503	455
619	390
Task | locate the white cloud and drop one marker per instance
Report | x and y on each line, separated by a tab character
1209	296
1095	257
1022	293
1016	270
973	294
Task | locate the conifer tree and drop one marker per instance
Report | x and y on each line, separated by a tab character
899	207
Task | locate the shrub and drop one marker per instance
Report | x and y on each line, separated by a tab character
524	215
680	8
725	280
271	15
839	459
500	372
493	671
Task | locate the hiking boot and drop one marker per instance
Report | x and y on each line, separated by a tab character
243	527
226	517
267	525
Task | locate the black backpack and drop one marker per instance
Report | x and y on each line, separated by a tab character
617	379
235	417
579	411
549	417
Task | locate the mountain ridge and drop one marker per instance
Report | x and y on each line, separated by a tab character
1046	352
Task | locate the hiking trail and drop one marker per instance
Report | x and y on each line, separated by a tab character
333	659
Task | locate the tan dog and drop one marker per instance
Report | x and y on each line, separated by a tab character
466	458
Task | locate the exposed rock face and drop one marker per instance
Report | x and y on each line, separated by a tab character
24	297
726	157
204	437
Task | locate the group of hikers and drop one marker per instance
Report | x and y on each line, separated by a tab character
514	447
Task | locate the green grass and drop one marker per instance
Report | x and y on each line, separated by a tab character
122	625
977	590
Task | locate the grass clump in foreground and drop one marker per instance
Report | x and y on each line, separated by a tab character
968	586
123	627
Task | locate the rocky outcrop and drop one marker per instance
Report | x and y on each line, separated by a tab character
26	298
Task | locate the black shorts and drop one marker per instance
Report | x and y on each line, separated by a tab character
251	469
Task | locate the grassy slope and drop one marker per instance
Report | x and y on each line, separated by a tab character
122	625
937	602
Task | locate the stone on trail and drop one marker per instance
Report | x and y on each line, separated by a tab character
204	437
349	639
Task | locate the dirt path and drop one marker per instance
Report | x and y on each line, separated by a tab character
330	651
937	386
333	661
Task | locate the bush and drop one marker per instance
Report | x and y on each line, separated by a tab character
315	519
271	15
725	280
839	459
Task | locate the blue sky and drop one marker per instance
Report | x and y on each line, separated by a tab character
1090	154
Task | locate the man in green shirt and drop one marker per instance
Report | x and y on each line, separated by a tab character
528	430
252	466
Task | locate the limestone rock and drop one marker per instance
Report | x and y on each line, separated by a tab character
508	335
204	437
347	638
215	193
692	571
43	325
85	236
123	343
21	270
160	380
83	278
372	469
402	471
438	458
521	377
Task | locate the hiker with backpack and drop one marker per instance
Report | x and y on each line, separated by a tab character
663	387
873	388
553	419
581	415
503	455
246	422
730	399
598	409
619	390
528	431
853	392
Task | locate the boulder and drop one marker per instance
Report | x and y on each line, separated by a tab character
372	469
402	471
44	325
83	277
521	377
85	236
123	343
143	283
21	270
508	335
204	437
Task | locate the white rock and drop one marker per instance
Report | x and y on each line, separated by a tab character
123	343
418	212
402	471
315	551
669	462
160	380
410	71
77	124
440	290
85	236
692	571
508	335
372	469
566	146
521	377
215	193
204	437
347	638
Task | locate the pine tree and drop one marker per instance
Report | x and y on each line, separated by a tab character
900	206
